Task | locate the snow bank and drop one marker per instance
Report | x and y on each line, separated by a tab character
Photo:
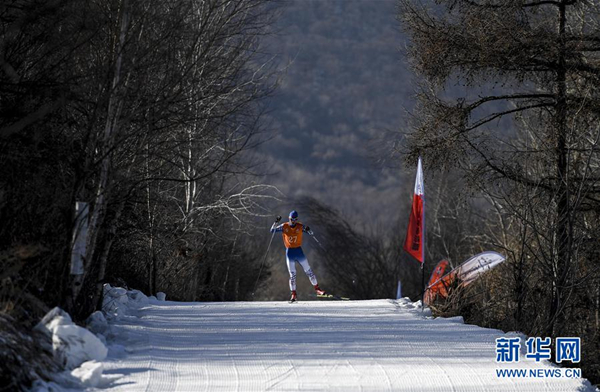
89	373
115	301
71	344
408	304
80	350
75	348
47	386
97	323
161	296
118	300
136	296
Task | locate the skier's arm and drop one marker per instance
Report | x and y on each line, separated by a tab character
275	228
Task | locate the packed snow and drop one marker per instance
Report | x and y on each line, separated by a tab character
387	345
314	345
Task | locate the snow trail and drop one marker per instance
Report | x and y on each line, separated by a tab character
379	345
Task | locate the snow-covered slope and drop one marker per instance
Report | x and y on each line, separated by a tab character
312	346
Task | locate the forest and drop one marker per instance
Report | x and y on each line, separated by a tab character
141	118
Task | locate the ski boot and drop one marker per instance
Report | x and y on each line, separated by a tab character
318	290
293	298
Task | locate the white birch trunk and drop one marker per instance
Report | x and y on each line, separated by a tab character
115	105
79	238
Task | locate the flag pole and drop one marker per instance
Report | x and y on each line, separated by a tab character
422	289
423	248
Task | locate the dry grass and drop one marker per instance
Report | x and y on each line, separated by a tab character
24	353
23	358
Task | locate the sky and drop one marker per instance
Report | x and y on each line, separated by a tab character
345	88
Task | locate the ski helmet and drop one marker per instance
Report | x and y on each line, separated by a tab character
293	215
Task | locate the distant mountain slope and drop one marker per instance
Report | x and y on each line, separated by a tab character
346	82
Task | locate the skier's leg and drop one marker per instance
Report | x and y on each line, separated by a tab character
291	265
307	270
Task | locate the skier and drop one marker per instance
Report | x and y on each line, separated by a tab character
292	239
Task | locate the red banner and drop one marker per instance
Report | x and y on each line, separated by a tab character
437	285
413	243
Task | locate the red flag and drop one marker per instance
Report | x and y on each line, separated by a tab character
415	235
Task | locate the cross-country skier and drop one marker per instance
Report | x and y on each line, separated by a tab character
292	239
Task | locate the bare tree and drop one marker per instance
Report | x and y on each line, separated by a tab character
188	178
509	98
360	265
144	111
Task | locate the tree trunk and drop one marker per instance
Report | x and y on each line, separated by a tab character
103	260
110	129
563	237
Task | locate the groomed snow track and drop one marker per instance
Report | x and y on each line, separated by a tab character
379	345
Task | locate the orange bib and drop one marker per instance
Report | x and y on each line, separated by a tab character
292	236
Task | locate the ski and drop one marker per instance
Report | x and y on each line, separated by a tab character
332	297
292	301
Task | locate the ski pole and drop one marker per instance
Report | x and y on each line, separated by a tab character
315	238
264	258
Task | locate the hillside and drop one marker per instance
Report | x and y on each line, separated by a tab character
345	84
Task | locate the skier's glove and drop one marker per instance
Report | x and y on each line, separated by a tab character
308	230
278	219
